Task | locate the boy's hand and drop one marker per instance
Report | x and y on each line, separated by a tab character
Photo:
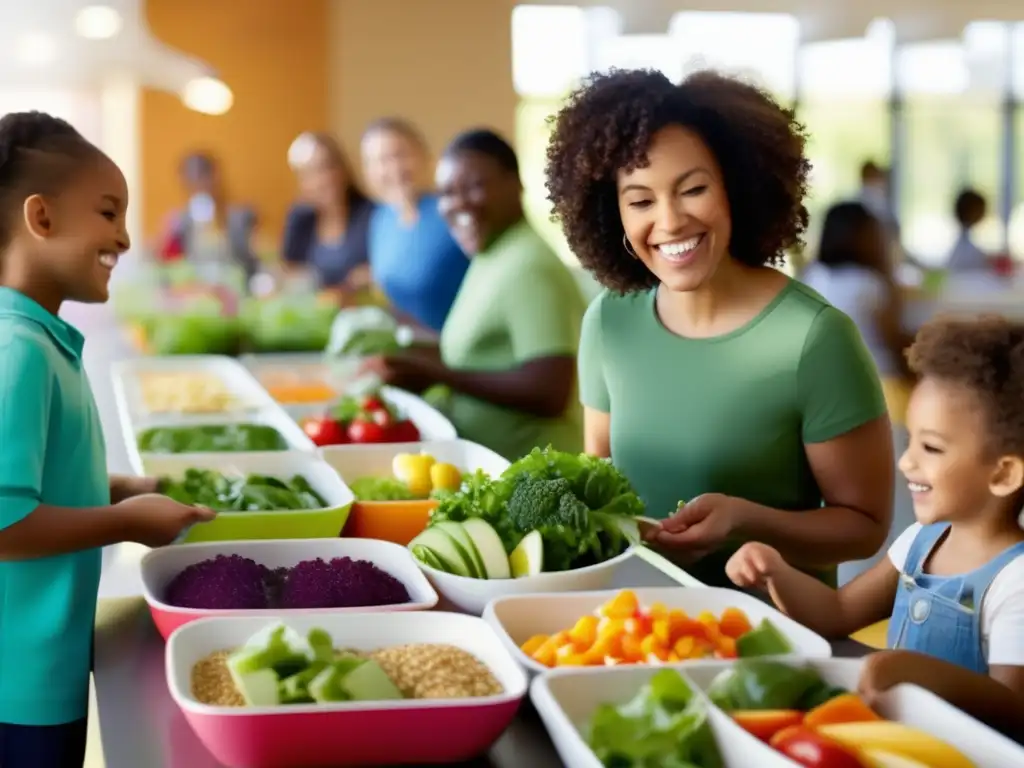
124	487
156	520
753	565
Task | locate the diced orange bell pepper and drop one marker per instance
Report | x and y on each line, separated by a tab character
651	648
661	629
545	654
734	623
725	647
657	610
624	605
605	645
530	646
685	647
632	652
639	626
611	627
765	723
584	633
848	708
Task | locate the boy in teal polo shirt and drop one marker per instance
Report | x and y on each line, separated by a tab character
62	210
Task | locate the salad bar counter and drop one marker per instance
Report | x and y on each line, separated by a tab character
143	726
385	599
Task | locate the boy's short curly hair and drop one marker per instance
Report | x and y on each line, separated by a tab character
986	356
608	124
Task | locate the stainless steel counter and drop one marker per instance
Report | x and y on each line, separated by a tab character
140	725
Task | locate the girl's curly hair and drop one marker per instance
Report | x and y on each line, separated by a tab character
608	125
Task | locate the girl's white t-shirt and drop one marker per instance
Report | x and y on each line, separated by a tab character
1002	607
859	293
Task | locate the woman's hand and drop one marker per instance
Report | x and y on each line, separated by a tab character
414	373
701	526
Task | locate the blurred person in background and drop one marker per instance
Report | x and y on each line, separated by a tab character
853	273
326	233
507	351
707	374
208	212
413	258
969	209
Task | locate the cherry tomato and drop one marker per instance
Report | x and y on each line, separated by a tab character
325	431
362	431
805	747
381	417
373	403
403	432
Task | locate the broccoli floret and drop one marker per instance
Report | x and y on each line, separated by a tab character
538	503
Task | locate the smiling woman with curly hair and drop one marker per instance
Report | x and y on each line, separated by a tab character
705	374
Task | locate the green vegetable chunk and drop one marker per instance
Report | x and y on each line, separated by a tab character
764	640
763	684
664	726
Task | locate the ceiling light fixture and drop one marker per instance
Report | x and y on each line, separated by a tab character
208	95
98	22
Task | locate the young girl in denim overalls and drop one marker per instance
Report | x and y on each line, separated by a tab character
953	584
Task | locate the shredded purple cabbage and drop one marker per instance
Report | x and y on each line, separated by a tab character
232	582
227	582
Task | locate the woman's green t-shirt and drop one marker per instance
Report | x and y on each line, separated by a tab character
729	414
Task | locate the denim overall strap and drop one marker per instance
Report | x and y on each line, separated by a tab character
978	581
922	546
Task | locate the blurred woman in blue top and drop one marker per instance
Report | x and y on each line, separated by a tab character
413	258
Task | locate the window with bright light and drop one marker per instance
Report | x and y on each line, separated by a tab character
844	105
953	92
81	108
758	46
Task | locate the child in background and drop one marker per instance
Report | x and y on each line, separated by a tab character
62	219
954	581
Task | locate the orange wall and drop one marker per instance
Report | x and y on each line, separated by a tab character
444	64
274	55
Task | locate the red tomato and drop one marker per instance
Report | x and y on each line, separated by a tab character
381	417
767	722
403	432
362	431
373	403
325	431
805	747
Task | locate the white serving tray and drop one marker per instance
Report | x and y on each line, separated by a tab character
565	700
907	704
375	460
272	417
247	391
518	618
161	565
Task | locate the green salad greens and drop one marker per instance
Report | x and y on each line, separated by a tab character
381	489
228	438
251	493
664	726
583	508
758	684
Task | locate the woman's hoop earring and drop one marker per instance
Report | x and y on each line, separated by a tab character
628	247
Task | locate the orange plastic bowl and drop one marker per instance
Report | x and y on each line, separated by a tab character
396	521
